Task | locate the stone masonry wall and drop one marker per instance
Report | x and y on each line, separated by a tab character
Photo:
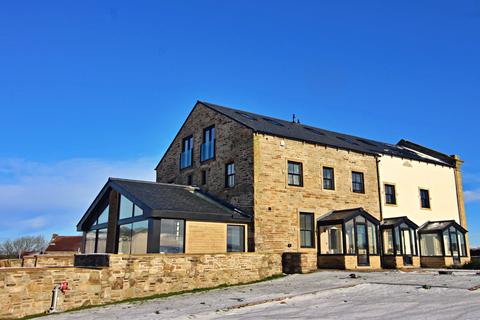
27	291
277	205
233	144
39	261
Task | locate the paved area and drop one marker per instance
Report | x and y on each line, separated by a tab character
320	295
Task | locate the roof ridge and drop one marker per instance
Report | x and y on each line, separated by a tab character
154	182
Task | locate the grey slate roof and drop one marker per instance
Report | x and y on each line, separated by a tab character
296	131
170	201
435	226
393	222
345	215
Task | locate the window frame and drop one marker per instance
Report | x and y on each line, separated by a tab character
244	247
229	175
361	174
212	140
331	180
184	234
311	216
183	150
393	195
421	191
300	175
133	214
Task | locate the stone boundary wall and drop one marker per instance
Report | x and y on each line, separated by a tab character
28	291
10	263
46	260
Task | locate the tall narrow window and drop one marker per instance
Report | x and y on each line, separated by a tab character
328	179
306	230
425	198
295	174
204	177
208	145
230	175
235	238
358	185
172	235
390	197
187	152
189	180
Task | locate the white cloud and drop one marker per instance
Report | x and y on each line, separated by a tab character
51	197
472	195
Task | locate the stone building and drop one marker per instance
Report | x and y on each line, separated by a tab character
296	180
321	198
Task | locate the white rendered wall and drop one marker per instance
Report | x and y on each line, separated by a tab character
411	176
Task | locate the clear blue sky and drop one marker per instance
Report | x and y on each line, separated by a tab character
91	89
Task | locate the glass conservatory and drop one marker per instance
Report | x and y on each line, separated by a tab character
399	239
348	239
442	243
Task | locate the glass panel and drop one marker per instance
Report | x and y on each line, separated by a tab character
331	240
446	242
372	238
388	241
306	230
139	237
430	244
357	182
463	252
103	218
137	211
235	238
407	242
172	236
398	241
425	198
90	241
350	237
454	243
362	239
362	249
186	159
124	238
102	241
414	243
328	180
126	208
390	194
360	219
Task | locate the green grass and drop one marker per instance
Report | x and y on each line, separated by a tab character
157	296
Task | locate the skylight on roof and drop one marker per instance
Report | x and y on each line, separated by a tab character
314	131
273	122
347	140
246	115
366	142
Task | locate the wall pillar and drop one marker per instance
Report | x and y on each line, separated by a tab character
112	221
460	198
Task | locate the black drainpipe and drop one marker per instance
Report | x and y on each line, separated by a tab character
379	188
380	234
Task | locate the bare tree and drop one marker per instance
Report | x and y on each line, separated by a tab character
15	248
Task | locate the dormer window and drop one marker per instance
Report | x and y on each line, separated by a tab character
208	145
